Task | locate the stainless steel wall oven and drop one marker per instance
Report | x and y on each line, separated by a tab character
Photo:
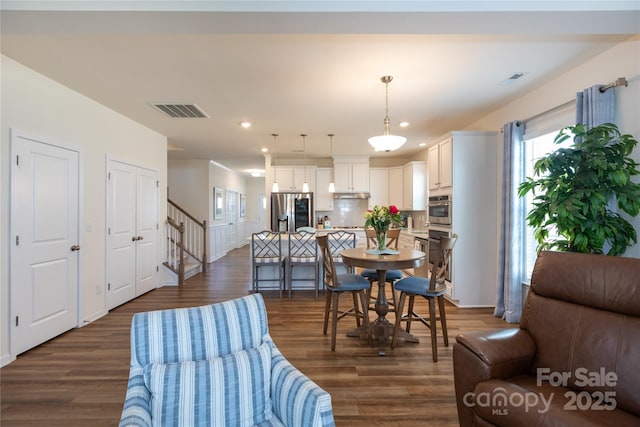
440	209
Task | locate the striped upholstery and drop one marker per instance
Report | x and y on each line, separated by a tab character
214	331
233	390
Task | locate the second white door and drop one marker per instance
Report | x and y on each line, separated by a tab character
132	232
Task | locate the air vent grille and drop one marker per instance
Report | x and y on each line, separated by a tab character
181	110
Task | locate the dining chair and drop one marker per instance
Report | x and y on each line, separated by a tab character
303	251
267	252
371	275
338	241
337	284
432	289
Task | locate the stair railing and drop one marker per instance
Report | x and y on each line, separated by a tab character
185	235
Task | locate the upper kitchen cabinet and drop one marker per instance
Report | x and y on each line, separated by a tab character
323	200
396	187
414	189
439	158
378	187
351	174
291	178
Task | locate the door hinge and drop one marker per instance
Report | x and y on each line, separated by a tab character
17	160
157	226
109	231
158	184
108	286
17	240
17	321
109	175
157	268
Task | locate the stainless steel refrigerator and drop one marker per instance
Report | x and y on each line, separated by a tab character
290	211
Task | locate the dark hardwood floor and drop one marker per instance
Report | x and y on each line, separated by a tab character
80	377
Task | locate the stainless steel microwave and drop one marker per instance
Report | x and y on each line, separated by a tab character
440	210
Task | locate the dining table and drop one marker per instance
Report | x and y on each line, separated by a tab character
382	261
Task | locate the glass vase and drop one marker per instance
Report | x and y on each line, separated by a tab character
381	240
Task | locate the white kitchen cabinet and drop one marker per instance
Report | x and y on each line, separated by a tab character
414	189
291	178
440	166
378	187
351	177
323	199
396	192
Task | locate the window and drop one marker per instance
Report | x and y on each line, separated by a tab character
535	148
539	134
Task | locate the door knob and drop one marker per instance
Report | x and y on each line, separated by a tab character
140	237
75	248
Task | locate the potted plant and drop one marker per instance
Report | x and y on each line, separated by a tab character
573	188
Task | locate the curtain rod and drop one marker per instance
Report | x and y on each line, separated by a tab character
620	81
557	107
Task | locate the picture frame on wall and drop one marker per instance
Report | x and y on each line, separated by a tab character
243	205
218	202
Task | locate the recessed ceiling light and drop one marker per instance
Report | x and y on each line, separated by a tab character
403	124
246	125
422	144
264	150
256	173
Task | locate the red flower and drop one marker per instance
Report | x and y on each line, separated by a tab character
393	209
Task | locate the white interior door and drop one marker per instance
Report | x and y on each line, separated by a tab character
231	216
132	232
147	232
45	245
121	234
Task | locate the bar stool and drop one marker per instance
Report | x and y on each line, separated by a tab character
303	251
267	252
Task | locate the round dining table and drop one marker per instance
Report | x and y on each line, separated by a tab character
381	261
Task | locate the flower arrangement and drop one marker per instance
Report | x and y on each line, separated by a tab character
380	218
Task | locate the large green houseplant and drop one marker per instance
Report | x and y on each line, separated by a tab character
573	187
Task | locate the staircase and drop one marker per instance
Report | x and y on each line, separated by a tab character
186	243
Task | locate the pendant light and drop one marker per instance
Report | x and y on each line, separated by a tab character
332	183
387	142
305	184
274	187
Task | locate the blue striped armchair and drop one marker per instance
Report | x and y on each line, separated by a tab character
216	365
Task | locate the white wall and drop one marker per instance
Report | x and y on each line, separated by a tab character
37	105
623	60
188	186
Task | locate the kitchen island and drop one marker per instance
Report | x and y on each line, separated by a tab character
301	272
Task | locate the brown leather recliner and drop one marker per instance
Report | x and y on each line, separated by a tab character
574	360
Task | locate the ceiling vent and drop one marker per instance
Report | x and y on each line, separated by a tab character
182	111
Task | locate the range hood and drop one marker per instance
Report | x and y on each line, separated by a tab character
351	195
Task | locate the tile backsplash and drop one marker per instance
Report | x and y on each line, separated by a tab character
346	212
350	213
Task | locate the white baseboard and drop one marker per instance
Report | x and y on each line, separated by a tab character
6	359
94	317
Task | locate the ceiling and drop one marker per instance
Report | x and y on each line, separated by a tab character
308	66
